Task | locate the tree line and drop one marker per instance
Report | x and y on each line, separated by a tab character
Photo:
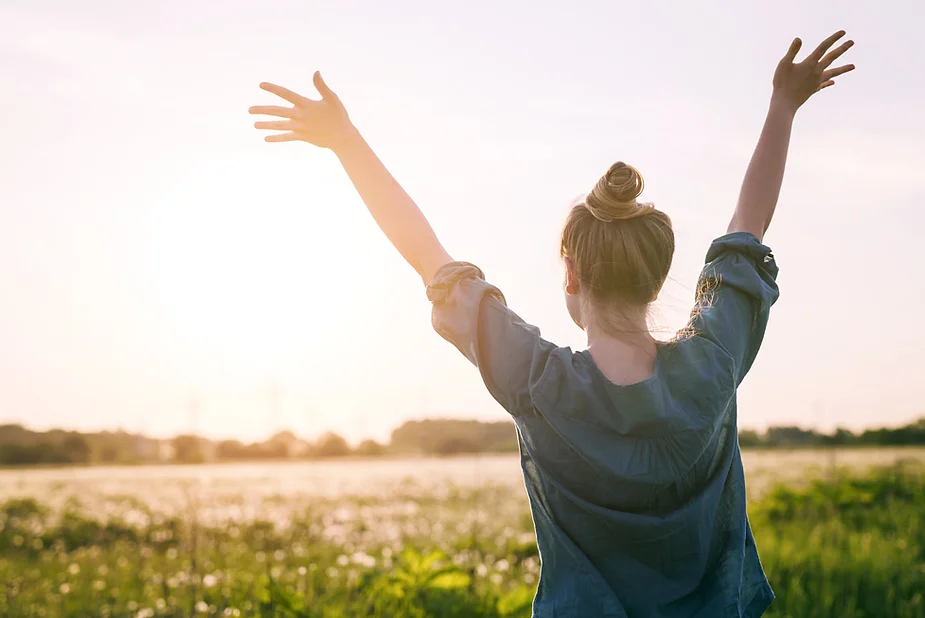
20	446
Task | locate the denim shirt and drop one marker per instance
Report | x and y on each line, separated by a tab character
637	492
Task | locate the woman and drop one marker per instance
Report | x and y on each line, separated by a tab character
629	448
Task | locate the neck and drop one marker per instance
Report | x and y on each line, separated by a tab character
626	328
624	351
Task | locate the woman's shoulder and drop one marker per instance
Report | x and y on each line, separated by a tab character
694	364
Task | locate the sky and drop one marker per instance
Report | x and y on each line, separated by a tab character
164	270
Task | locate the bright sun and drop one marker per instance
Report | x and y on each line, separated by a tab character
238	257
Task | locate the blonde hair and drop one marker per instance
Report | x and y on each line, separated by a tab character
621	248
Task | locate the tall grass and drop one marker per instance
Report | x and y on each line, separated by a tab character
848	546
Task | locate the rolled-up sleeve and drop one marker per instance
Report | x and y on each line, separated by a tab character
473	315
735	292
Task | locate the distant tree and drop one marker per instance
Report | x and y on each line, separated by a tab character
18	455
332	445
274	449
792	436
456	446
280	446
428	436
230	449
15	434
749	438
841	437
109	453
370	448
50	453
283	436
187	449
31	454
75	449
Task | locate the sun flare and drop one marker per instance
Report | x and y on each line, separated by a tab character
236	264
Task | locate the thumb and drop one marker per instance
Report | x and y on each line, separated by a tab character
794	48
323	90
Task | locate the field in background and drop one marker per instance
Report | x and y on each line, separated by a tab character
414	537
173	485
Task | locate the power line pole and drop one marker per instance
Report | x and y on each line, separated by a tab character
194	410
273	398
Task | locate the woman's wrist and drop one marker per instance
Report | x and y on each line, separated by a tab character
783	106
347	140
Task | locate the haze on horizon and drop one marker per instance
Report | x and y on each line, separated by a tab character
154	250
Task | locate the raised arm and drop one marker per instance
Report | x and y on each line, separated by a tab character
794	84
325	123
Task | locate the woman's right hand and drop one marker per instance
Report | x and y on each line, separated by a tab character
324	123
795	83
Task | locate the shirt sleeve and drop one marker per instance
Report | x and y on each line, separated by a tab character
735	292
473	315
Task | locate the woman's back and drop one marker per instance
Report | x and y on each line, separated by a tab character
637	491
638	514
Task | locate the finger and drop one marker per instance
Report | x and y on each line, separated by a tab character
825	85
834	54
273	110
837	71
276	125
817	53
282	137
285	93
794	49
322	87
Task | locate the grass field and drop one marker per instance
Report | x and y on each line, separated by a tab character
414	538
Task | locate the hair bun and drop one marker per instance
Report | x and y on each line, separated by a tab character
614	196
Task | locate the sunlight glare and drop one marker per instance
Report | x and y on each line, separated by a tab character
239	262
